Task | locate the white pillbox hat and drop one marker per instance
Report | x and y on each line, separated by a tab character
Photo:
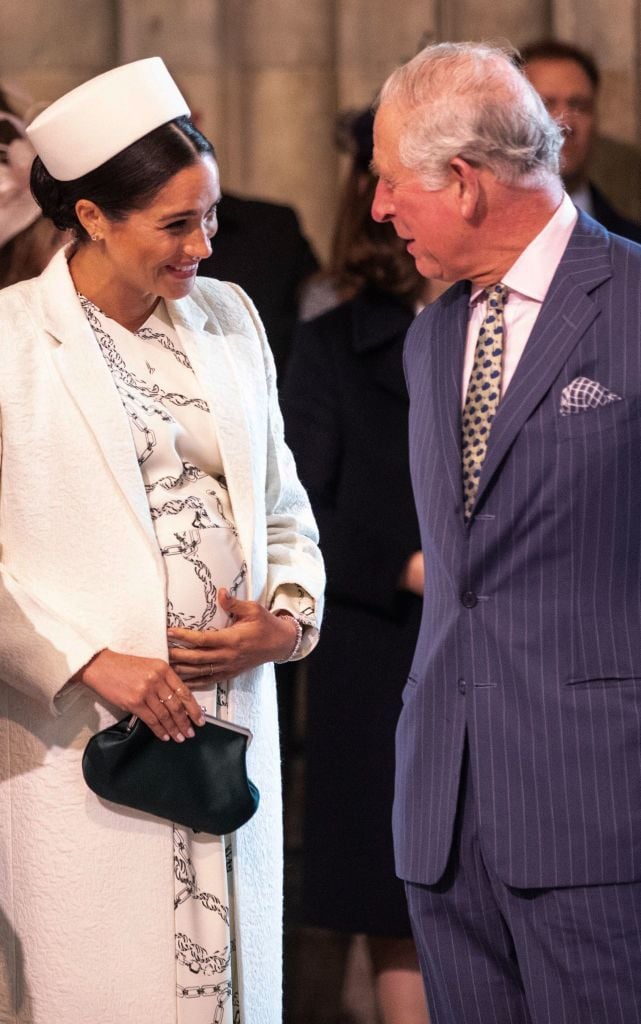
86	127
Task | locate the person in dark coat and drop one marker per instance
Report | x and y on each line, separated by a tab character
261	247
345	406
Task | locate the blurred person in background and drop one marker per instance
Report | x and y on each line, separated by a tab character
345	406
27	239
567	79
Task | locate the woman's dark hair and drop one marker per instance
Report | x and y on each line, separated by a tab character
127	182
366	253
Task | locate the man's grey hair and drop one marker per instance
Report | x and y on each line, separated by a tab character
471	100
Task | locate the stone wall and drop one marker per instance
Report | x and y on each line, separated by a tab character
268	76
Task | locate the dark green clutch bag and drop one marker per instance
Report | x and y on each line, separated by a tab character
201	783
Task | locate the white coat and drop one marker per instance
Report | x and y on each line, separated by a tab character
86	888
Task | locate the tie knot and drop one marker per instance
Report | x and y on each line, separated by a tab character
496	296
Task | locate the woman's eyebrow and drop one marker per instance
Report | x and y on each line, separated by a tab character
186	213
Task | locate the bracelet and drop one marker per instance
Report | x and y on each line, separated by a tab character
297	642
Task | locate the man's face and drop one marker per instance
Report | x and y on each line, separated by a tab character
570	97
428	221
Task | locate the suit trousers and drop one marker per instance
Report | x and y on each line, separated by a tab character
494	954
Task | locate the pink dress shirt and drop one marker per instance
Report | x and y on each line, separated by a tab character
528	280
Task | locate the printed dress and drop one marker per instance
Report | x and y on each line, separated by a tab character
175	441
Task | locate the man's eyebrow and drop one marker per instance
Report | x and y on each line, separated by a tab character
373	166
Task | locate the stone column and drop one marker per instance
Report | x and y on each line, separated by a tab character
501	22
374	37
281	101
190	39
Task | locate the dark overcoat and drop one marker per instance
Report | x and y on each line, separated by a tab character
346	407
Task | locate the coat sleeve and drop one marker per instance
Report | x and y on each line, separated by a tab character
364	557
39	650
293	555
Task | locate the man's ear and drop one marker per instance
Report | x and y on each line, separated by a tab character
468	188
91	217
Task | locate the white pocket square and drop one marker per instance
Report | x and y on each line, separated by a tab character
582	394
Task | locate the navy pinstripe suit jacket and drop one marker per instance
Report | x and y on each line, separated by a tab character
531	631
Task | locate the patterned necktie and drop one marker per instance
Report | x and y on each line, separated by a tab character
483	394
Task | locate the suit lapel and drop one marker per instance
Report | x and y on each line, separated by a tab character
88	381
448	349
566	314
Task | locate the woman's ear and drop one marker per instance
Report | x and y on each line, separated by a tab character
91	217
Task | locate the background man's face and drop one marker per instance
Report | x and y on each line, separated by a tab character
570	97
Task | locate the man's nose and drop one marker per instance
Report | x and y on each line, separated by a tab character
382	206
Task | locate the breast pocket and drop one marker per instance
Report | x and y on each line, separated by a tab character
622	416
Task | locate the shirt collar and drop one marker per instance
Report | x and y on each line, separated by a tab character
532	272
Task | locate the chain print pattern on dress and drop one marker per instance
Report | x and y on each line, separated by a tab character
189	473
184	871
187	546
222	992
191	954
192	516
118	367
146	334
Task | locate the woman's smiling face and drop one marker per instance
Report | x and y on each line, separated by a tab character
155	252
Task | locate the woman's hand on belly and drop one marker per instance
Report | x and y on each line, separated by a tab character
213	655
147	687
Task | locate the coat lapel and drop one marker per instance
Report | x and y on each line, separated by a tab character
88	381
566	314
208	350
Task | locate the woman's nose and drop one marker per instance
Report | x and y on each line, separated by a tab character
198	244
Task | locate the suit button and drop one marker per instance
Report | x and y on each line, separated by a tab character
469	599
461	686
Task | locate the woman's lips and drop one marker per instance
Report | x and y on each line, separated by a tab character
183	272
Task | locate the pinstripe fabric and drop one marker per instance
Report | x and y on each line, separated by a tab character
531	632
495	955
